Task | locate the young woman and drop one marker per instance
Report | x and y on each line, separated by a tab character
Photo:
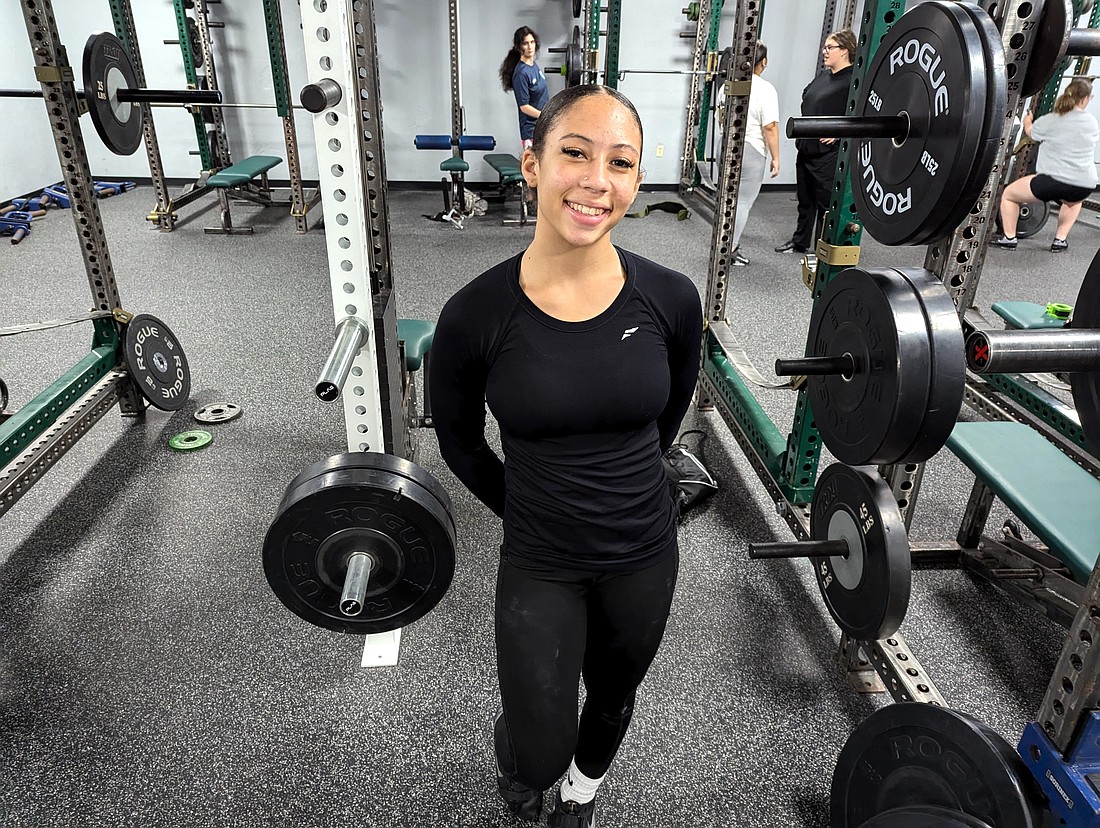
815	159
1065	169
587	355
520	75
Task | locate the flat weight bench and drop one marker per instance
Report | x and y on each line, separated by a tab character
417	336
508	168
238	179
1026	316
1054	497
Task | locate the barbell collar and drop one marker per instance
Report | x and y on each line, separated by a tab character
351	335
799	549
355	584
816	366
317	97
849	126
1062	350
1084	42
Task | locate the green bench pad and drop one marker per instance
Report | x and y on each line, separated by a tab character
243	171
507	166
454	164
1027	316
1054	497
417	334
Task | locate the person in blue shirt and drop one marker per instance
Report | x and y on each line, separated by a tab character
520	75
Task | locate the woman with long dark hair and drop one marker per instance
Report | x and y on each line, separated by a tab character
521	75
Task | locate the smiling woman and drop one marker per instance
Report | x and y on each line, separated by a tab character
587	356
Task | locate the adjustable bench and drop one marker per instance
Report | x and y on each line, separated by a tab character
417	336
1054	497
238	178
1026	316
508	168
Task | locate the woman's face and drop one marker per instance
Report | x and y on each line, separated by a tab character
589	172
835	57
527	47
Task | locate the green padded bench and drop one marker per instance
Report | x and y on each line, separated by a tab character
508	168
237	176
417	334
454	164
1027	316
1054	497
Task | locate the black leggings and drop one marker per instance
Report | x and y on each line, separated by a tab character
554	626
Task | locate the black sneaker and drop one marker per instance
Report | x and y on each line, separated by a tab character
1059	246
572	815
1004	243
738	259
523	802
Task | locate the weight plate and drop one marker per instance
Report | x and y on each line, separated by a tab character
1086	384
191	440
574	59
932	68
219	412
913	754
193	42
576	8
107	69
157	362
924	816
867	593
3	395
361	501
873	417
1049	48
948	365
1033	217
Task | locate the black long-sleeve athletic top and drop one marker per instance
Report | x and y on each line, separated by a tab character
827	94
585	410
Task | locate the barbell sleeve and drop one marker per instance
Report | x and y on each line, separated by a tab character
1061	350
351	335
849	126
317	97
355	583
799	549
1083	42
815	366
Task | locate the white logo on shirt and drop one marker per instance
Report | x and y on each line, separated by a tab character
628	332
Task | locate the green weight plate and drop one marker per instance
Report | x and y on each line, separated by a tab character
191	440
362	502
1086	384
912	754
867	593
873	417
157	362
933	68
107	69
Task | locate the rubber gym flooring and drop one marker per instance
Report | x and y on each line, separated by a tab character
149	677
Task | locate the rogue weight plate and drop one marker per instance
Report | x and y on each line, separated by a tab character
157	362
361	501
218	412
107	69
947	361
1033	217
193	42
574	59
867	593
1050	45
913	754
576	8
875	416
191	440
938	67
1086	384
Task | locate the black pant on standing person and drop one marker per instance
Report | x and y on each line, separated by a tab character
814	183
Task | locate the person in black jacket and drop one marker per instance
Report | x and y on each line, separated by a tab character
815	160
587	356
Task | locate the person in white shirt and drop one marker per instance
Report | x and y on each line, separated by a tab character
761	142
1065	170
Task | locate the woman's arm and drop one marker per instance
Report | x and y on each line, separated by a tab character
527	109
684	350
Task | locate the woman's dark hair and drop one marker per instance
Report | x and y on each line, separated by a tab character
508	66
564	101
846	40
1076	91
761	52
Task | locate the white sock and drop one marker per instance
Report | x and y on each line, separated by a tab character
577	787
